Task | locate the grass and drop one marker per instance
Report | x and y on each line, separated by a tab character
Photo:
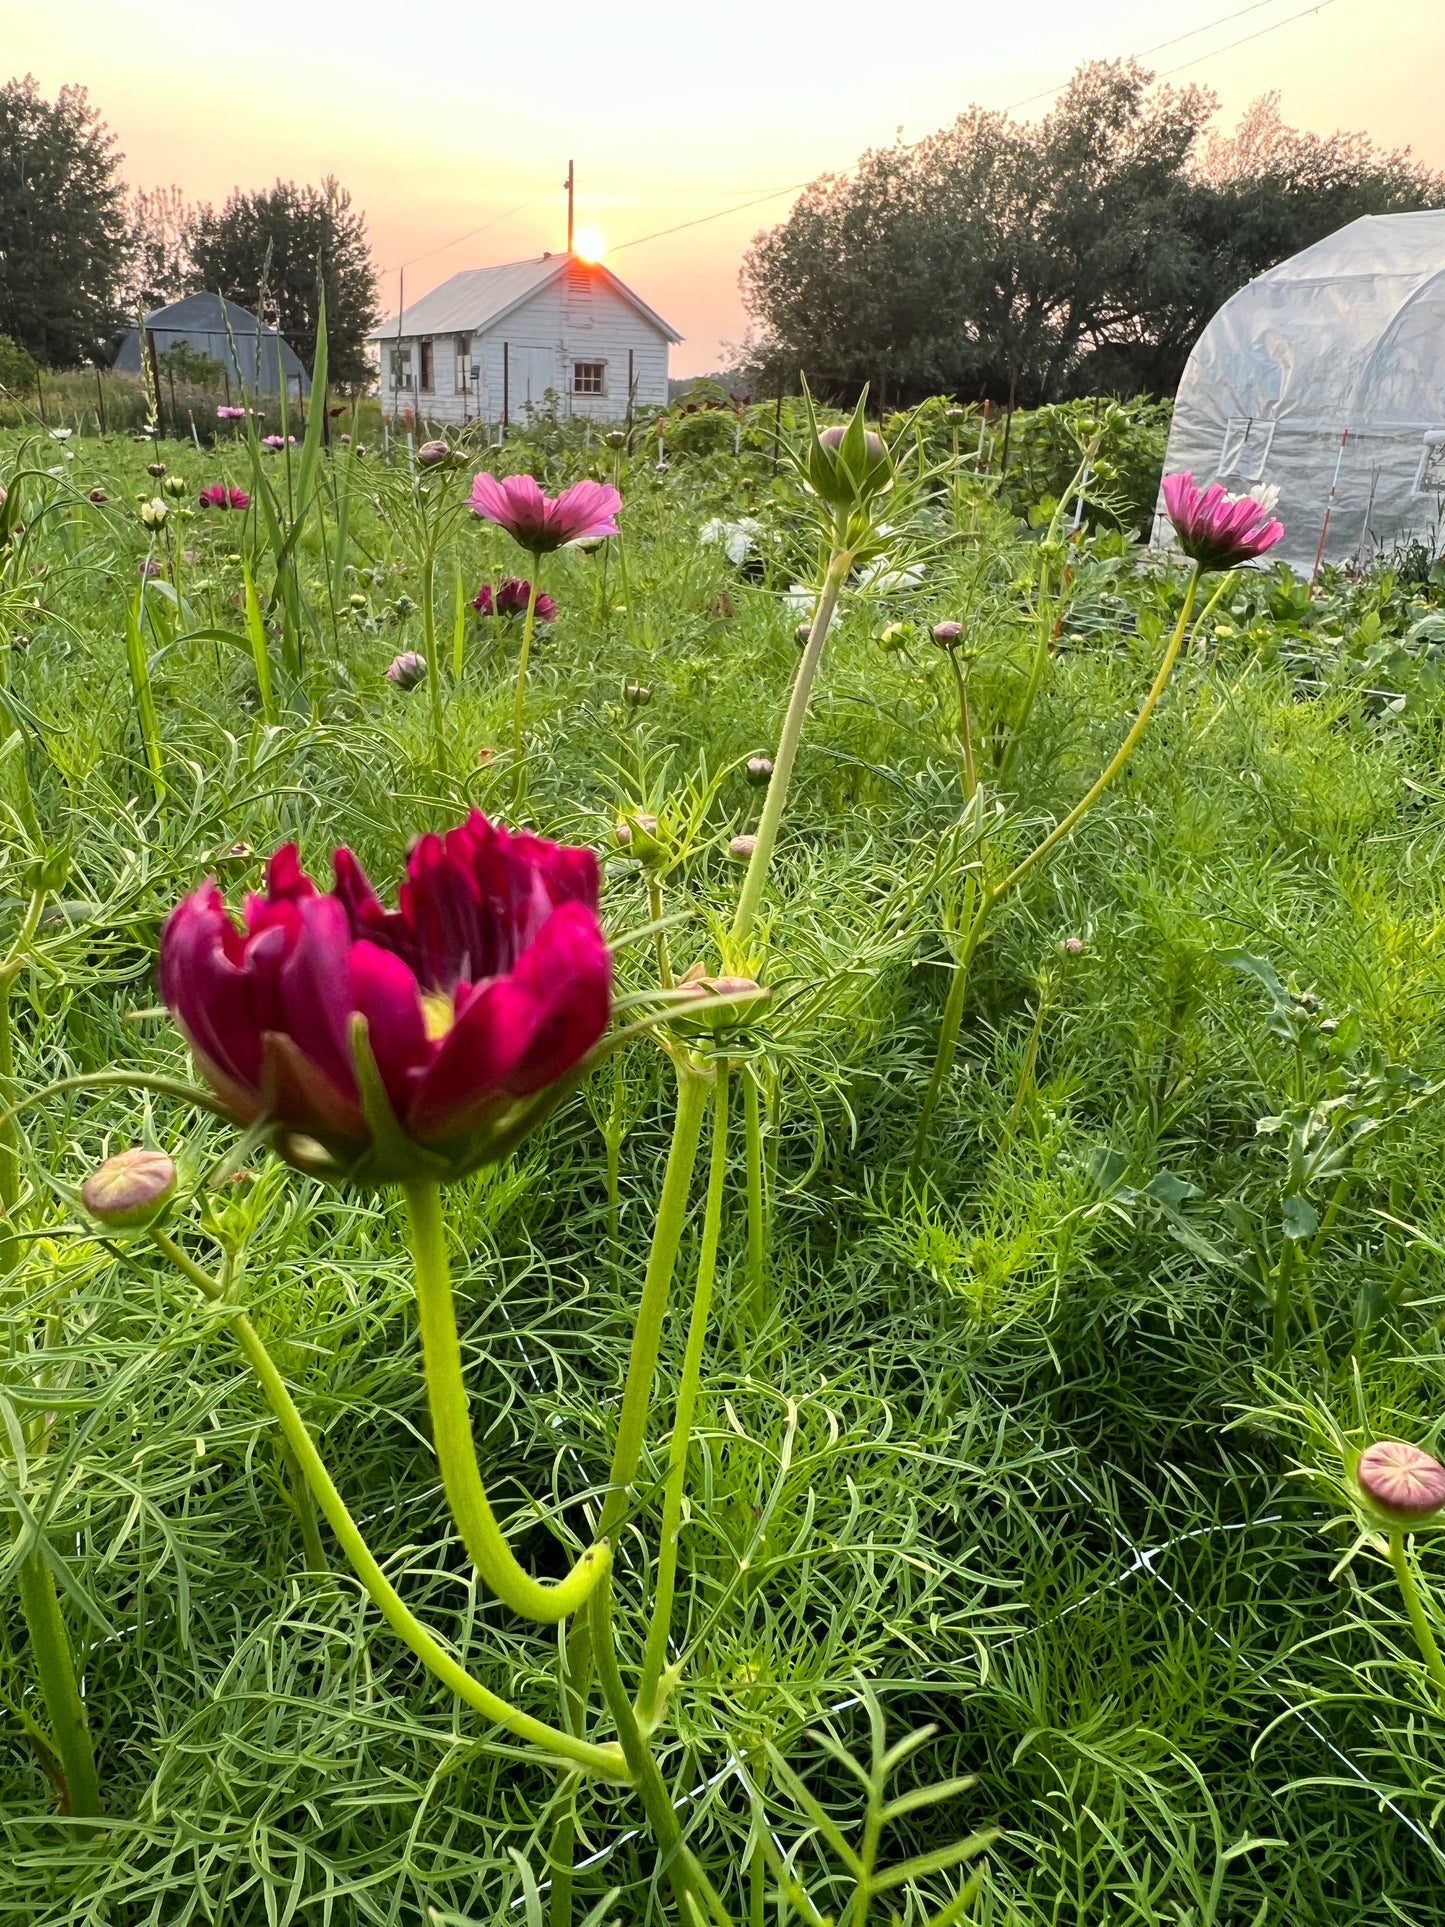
1009	1450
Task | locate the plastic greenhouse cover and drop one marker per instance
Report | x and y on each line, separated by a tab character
1328	372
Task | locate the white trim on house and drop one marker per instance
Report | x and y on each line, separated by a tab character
499	340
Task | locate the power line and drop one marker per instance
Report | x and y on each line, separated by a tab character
496	218
638	239
1193	34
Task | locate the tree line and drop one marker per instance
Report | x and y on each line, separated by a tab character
81	256
1079	254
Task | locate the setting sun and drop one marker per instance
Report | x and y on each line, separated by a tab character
589	244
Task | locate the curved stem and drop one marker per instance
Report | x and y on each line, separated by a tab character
452	1432
649	1705
1415	1607
529	623
751	893
55	1668
601	1760
692	1091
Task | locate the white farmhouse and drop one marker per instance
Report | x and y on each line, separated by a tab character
491	342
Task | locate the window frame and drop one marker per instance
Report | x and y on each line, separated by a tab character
402	371
461	377
599	393
426	366
1432	455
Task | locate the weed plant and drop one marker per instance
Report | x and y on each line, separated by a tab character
1002	1454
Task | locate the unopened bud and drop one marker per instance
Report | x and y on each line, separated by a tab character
1073	946
638	695
130	1189
802	634
432	454
760	771
153	513
742	847
357	601
407	669
155	468
947	635
97	495
175	486
1403	1481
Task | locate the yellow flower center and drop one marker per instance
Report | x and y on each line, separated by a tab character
437	1013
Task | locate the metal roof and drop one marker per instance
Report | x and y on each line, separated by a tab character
477	298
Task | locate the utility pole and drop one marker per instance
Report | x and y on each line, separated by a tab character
570	184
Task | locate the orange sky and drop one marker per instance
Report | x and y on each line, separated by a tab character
441	118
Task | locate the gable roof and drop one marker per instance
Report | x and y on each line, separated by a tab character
478	298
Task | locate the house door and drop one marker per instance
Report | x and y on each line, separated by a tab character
531	371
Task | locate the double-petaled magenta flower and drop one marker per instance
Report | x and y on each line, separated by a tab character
217	496
539	522
509	598
1215	529
394	1044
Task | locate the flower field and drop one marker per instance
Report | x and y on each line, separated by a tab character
723	1180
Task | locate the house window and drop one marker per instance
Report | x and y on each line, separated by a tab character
589	377
428	374
1246	448
401	368
1430	475
464	363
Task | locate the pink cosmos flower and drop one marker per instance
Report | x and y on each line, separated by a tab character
487	985
273	442
509	598
227	414
539	522
1215	529
217	496
407	669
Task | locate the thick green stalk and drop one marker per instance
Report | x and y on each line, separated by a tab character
601	1760
949	1026
693	1086
55	1667
757	1207
965	726
429	647
751	894
1415	1607
649	1704
529	623
452	1432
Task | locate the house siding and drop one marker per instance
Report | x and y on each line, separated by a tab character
574	318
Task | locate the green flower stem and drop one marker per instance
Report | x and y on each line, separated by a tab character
529	623
601	1760
693	1085
993	894
757	1219
751	894
696	1898
452	1432
9	1136
649	1702
965	727
1415	1607
55	1667
429	645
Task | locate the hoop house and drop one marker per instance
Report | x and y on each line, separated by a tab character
1328	374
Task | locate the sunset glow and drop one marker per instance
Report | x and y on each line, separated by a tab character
589	244
687	140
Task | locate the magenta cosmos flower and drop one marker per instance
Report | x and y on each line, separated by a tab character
387	1044
541	522
509	598
217	496
1215	529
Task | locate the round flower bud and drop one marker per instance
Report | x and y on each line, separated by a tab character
760	771
832	440
130	1189
357	601
1073	946
407	669
742	847
615	438
155	468
947	635
97	495
745	992
955	414
1405	1483
175	486
638	695
802	633
432	454
153	513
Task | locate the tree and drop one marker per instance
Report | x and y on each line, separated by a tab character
64	238
264	250
1079	254
162	268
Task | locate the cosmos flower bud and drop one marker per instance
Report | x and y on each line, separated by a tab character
155	468
407	669
760	771
802	633
848	466
742	847
637	834
432	454
897	635
153	513
638	695
947	635
744	993
615	438
1402	1481
97	495
174	486
130	1189
1073	946
356	601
